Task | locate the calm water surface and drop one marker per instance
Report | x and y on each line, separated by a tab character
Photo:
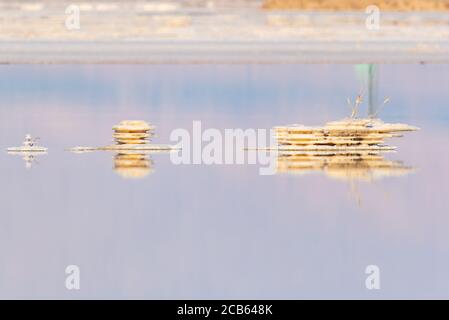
198	231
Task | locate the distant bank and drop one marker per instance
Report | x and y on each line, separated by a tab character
342	5
218	31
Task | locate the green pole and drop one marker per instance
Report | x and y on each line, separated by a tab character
367	74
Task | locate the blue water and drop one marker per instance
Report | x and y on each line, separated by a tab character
199	231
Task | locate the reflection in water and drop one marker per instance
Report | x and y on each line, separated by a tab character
132	146
133	165
352	166
30	158
28	150
292	232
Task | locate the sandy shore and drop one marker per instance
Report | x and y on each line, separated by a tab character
339	5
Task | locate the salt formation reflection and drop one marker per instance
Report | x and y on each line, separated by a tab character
29	151
30	158
132	148
133	165
352	166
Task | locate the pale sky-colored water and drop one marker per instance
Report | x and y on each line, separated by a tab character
217	231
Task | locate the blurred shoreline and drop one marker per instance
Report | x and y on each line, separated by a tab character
202	31
342	5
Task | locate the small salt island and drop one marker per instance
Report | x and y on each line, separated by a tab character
130	135
352	133
29	151
28	145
